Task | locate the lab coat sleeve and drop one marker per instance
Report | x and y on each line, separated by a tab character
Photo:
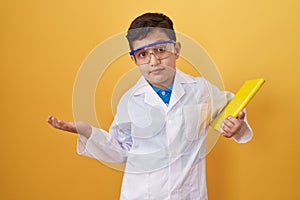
245	134
112	146
219	99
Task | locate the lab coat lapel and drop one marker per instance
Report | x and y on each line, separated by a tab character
178	90
151	97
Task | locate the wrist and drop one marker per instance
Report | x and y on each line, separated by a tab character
84	129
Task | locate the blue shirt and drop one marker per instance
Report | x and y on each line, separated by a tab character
165	94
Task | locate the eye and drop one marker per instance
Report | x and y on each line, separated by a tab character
160	49
141	54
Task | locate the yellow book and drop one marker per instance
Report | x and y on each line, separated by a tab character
239	101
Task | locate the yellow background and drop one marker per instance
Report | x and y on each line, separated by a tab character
43	44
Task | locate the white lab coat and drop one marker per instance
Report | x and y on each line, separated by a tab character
163	146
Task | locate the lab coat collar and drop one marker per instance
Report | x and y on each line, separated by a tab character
143	87
178	90
151	97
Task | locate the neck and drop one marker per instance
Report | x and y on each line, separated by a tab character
162	86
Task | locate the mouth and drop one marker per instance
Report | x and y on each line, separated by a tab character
156	70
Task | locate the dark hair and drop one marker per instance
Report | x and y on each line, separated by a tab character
144	24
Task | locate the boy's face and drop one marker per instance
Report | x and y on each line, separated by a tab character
159	72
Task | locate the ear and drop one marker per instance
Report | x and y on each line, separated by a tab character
177	49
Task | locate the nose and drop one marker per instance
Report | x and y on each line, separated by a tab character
153	60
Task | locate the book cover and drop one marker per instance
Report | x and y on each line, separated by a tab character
239	101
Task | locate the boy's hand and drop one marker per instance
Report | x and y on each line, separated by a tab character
232	125
74	127
62	125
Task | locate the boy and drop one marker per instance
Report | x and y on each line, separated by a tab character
160	126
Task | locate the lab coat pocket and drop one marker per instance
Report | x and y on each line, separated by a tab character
195	120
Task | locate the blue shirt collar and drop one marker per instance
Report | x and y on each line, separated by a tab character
168	89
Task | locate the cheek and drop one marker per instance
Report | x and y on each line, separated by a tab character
170	63
143	70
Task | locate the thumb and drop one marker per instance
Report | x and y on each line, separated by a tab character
241	115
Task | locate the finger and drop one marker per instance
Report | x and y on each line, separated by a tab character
57	123
226	131
230	130
225	134
235	124
62	124
232	119
241	115
228	121
51	120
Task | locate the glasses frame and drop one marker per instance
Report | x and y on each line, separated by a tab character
150	45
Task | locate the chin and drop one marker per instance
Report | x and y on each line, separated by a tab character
160	83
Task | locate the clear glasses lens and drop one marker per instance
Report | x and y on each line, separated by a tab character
160	51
